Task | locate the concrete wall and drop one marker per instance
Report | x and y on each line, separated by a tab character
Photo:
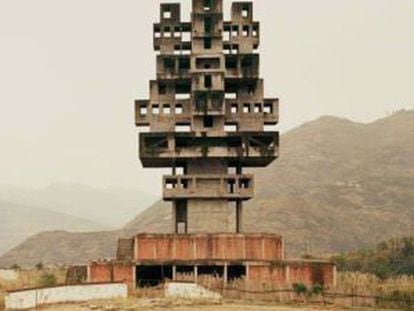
228	247
32	298
286	273
210	216
189	291
106	272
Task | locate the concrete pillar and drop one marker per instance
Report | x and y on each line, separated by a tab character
174	273
88	272
134	276
195	274
225	275
287	273
239	217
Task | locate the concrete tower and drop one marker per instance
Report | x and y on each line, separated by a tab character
206	115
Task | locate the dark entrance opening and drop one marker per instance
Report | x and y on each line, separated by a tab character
150	276
236	272
217	271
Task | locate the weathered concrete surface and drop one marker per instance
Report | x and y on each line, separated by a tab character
189	291
26	299
167	247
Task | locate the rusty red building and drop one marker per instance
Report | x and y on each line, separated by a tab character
207	121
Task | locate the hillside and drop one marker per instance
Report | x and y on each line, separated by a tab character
388	259
338	186
19	222
96	205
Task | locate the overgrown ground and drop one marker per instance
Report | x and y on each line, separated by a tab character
396	289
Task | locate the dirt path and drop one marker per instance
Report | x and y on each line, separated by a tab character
160	305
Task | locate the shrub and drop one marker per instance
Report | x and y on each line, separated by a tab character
48	279
39	266
318	290
300	289
15	267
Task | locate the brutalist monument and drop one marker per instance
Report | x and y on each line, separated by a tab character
207	118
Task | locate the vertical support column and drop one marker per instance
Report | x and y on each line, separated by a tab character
134	277
239	217
225	275
174	273
195	274
287	273
174	217
88	272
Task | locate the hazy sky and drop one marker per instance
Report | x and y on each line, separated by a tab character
71	69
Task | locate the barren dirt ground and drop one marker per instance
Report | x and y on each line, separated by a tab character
159	305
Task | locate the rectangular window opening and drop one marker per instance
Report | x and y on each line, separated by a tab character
186	36
169	63
207	5
182	128
268	108
155	109
231	62
208	121
208	81
166	14
231	128
177	32
244	183
208	25
246	30
231	95
182	96
162	89
255	32
234	108
184	63
171	184
231	186
167	32
181	216
208	63
257	108
179	109
246	108
207	43
143	110
166	109
235	31
245	11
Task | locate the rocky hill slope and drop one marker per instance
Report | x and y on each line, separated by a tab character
19	222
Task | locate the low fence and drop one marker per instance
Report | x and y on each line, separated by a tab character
261	292
32	298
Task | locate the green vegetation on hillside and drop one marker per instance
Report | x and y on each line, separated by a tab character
387	259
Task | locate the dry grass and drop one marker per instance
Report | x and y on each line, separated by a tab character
29	279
